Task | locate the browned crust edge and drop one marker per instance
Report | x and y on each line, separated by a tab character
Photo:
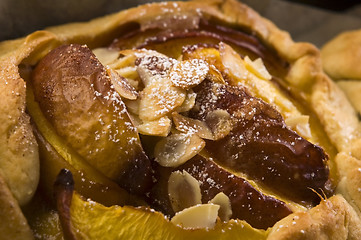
306	73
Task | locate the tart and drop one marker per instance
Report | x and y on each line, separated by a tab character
180	120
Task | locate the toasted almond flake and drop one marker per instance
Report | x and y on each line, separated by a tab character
159	127
123	61
132	106
233	63
186	124
176	149
188	103
214	75
128	72
189	73
129	52
158	64
225	210
145	75
257	68
135	83
105	55
159	98
135	119
180	183
198	216
209	54
121	85
300	124
220	123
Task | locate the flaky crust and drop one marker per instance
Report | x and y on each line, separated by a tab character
19	158
329	103
341	55
332	219
13	224
341	58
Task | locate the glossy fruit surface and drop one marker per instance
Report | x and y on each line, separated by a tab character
90	220
75	95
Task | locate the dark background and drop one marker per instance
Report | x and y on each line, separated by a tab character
307	20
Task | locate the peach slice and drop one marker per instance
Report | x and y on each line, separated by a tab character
86	219
76	96
261	145
247	203
55	155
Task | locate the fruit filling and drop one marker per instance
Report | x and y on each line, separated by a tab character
187	120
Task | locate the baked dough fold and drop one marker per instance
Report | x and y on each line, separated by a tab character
334	218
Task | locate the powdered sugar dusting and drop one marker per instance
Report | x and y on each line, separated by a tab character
158	64
189	73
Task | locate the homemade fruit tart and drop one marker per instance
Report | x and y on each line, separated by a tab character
175	120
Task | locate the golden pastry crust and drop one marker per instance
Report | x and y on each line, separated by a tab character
332	219
341	55
352	89
341	60
305	73
13	224
19	158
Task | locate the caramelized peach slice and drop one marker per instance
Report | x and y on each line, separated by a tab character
86	219
55	155
261	145
76	96
247	203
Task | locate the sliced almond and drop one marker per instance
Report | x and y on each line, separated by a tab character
209	54
158	64
126	60
186	124
300	124
233	63
131	56
225	210
176	149
134	83
198	216
159	98
145	75
188	103
183	190
160	127
122	86
188	73
257	68
220	123
106	55
214	75
132	106
128	72
135	119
